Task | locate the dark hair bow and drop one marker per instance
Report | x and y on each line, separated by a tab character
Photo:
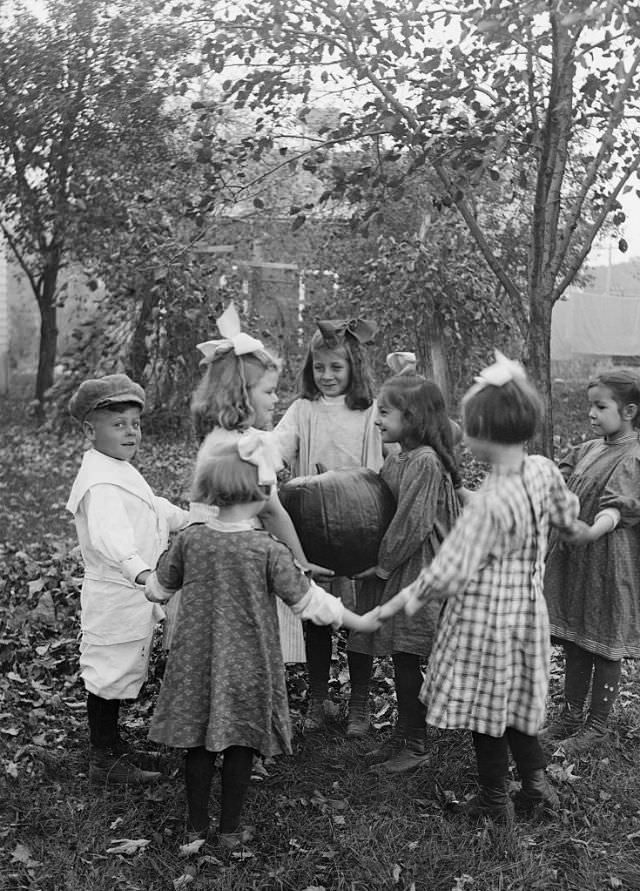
335	330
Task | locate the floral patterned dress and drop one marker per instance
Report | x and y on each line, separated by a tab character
593	591
224	683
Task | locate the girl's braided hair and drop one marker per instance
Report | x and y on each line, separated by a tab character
222	398
425	417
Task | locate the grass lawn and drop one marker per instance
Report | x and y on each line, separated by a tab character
323	820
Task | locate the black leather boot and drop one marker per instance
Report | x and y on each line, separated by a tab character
536	798
492	801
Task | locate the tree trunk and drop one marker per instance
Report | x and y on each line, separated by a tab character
437	353
48	331
539	367
138	352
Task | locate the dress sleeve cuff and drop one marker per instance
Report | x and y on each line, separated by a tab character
612	513
154	588
319	607
133	566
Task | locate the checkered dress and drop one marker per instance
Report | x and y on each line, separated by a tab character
489	665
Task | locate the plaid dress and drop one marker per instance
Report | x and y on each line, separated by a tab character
489	666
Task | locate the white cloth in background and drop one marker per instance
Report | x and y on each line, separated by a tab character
595	324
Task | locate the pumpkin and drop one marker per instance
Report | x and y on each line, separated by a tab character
340	517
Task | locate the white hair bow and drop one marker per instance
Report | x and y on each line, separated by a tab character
500	373
259	448
401	362
234	339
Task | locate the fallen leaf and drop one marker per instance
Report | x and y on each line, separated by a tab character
127	845
191	847
22	854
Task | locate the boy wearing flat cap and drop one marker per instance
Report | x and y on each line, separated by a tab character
122	529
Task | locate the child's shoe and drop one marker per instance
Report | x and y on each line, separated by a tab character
569	721
537	798
411	755
315	719
196	835
235	843
491	801
108	767
584	741
387	749
359	714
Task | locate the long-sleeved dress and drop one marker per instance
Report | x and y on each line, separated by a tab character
593	591
489	666
326	433
427	508
224	684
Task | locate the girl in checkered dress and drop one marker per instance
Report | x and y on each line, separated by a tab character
489	666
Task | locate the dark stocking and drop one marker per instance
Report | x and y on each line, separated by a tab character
578	668
606	680
492	758
236	775
360	667
198	773
526	750
318	646
103	721
408	681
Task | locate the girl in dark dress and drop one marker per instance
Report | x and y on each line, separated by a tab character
593	591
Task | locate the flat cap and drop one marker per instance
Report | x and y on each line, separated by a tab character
99	391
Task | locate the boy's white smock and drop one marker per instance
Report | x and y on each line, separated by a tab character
122	530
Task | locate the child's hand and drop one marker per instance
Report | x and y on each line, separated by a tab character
318	572
370	573
414	596
154	592
152	598
579	533
370	621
